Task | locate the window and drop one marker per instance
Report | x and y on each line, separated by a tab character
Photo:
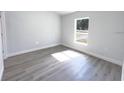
81	30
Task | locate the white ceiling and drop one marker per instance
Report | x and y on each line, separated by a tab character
64	12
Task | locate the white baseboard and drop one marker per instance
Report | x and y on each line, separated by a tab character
118	62
112	60
31	50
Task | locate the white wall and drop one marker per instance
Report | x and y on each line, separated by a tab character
31	30
1	56
106	34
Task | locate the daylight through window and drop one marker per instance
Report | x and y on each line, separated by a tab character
81	30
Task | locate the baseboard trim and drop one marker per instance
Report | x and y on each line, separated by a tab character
31	50
118	62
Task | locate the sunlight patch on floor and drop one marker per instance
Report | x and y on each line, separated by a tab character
60	57
71	54
66	55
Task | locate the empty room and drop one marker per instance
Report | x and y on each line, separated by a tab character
61	45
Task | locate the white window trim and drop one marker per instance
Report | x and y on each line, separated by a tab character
75	29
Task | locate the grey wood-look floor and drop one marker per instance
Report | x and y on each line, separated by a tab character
59	64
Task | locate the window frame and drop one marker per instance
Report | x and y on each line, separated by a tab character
75	30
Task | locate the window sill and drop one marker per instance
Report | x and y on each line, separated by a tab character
84	44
